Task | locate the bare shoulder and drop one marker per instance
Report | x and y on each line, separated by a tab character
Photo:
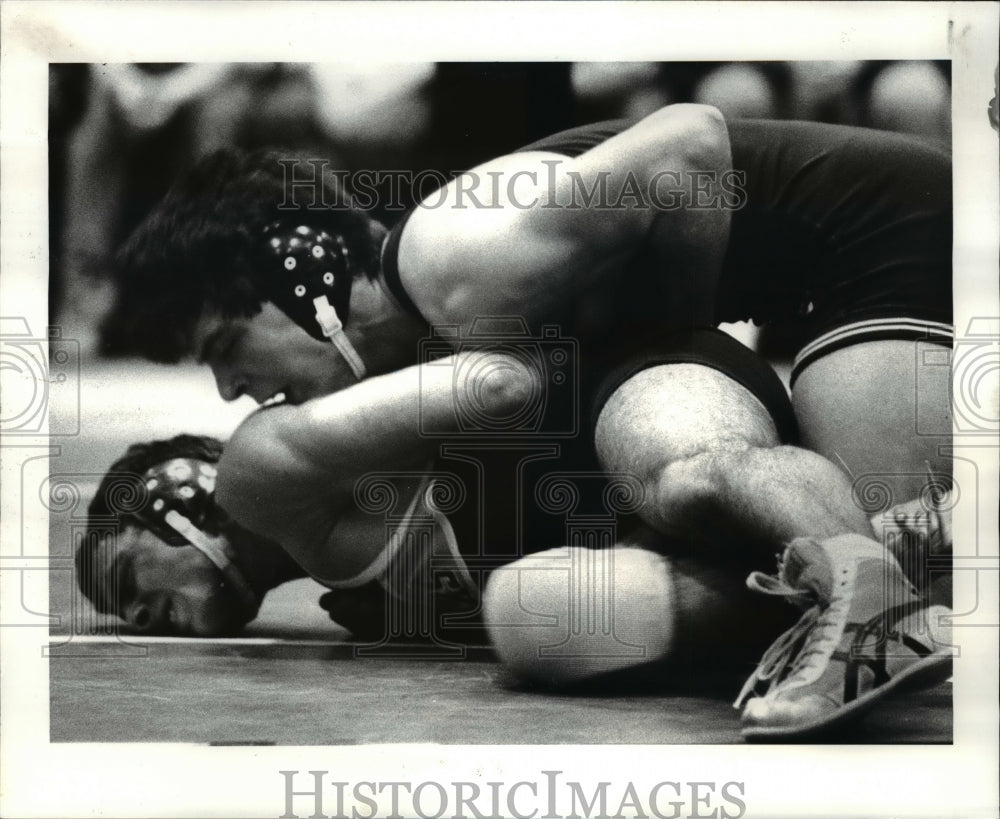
259	429
526	230
484	235
253	451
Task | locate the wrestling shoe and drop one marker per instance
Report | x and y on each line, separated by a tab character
865	634
919	535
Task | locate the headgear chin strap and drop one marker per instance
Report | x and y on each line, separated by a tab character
314	286
181	510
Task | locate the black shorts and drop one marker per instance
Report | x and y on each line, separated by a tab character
885	328
843	235
706	346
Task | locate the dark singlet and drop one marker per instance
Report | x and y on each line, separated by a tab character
609	367
839	224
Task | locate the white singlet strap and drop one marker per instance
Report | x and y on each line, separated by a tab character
377	567
452	541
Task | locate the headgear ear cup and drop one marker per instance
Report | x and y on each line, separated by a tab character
181	511
184	486
313	285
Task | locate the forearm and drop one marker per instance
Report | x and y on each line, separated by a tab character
397	419
306	459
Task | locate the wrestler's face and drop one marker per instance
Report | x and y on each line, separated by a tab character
170	590
267	355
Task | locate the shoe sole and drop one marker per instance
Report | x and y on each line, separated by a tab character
924	674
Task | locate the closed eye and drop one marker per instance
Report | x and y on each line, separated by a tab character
209	346
124	589
218	346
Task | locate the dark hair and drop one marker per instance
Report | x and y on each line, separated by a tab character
118	501
202	248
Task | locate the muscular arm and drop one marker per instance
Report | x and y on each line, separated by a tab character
517	236
289	472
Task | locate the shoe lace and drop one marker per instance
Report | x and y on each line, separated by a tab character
776	587
783	650
823	638
777	658
794	656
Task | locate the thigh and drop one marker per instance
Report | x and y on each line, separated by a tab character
571	615
882	410
681	417
567	615
673	412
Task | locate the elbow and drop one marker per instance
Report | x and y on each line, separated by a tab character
696	135
498	387
706	138
519	385
693	119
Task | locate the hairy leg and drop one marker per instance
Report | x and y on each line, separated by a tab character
709	458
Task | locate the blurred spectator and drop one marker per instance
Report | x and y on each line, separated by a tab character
67	103
443	117
910	97
821	91
375	106
142	126
614	90
743	89
120	134
484	110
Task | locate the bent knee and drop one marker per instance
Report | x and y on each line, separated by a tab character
568	615
695	490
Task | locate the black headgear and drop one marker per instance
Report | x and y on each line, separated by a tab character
311	263
181	511
183	485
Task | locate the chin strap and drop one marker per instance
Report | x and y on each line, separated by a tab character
213	550
333	329
181	502
311	267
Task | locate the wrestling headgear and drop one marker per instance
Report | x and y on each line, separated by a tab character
313	285
181	511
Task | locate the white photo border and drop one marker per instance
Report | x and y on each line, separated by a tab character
138	780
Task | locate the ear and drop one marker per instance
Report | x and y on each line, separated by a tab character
377	232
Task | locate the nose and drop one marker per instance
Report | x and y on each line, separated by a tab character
140	617
148	615
229	385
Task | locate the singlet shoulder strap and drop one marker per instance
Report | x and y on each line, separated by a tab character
376	569
390	267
